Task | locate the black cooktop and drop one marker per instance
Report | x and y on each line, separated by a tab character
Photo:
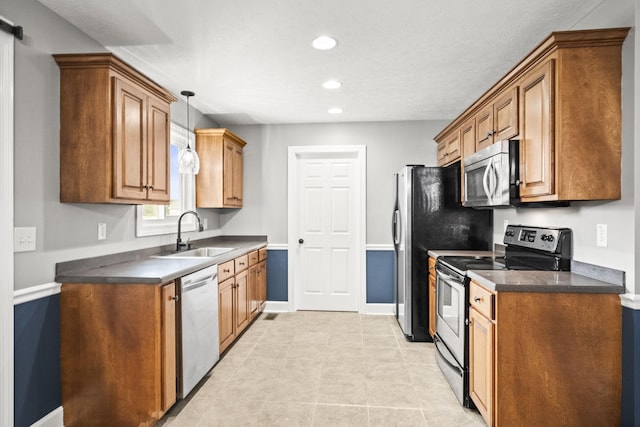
464	263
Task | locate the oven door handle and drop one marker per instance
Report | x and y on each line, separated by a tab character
446	354
447	277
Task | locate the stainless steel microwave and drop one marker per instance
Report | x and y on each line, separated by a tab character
491	176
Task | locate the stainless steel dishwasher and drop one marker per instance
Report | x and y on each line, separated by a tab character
198	332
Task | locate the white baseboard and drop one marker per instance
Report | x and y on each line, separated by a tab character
385	309
276	307
54	418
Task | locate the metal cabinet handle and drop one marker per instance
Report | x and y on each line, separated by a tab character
224	270
174	298
301	241
477	299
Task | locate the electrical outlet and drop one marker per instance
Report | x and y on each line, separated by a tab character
24	239
102	231
601	235
205	224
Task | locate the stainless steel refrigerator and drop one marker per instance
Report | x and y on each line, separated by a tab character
428	215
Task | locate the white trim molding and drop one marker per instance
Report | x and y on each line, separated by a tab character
379	309
377	247
631	301
276	307
35	292
359	153
54	418
277	246
6	226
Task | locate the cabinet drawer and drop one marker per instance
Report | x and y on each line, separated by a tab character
242	263
432	266
226	270
253	257
482	300
262	254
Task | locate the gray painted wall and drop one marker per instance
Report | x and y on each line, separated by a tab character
390	145
64	231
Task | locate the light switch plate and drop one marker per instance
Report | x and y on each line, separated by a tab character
24	239
601	235
102	231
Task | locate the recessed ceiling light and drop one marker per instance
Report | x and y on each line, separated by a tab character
324	43
335	110
332	84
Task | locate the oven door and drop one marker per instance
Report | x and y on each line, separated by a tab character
450	311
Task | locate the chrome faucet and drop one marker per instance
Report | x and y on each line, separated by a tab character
179	243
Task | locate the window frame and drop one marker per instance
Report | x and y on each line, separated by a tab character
169	224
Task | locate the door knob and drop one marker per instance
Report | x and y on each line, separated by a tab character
301	241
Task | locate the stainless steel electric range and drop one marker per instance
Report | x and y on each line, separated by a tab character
526	248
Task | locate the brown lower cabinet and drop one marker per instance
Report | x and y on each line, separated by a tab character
545	359
432	296
117	353
240	294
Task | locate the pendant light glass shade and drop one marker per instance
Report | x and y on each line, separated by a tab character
188	161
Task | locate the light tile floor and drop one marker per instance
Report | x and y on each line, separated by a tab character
323	369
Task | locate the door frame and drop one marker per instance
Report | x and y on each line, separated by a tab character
6	227
298	152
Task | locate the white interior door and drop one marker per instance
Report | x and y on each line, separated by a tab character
326	233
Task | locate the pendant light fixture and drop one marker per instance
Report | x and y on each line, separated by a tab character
188	161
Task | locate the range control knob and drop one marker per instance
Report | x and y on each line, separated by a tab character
546	238
550	238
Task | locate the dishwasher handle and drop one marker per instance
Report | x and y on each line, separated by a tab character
195	281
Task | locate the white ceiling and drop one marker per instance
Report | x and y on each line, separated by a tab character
251	61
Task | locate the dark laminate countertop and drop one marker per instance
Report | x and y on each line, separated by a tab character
144	266
541	281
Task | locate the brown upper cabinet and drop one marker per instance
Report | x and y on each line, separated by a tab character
498	120
563	102
449	149
219	182
114	132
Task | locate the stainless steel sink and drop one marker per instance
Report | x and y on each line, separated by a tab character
198	253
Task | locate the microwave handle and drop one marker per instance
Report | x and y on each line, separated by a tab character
485	179
493	180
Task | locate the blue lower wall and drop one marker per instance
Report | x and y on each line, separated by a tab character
379	276
630	367
37	359
277	276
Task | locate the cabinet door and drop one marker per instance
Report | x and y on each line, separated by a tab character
237	175
481	375
505	115
449	148
432	305
158	151
242	301
130	141
468	138
227	175
484	128
262	283
254	291
226	312
537	145
168	319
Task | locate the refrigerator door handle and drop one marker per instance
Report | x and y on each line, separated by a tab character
396	227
